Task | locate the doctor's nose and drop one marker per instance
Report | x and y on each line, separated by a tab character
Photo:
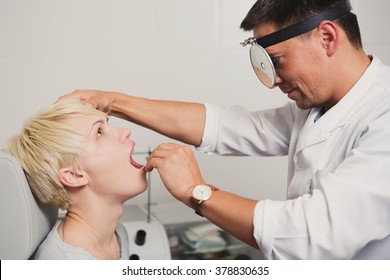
278	79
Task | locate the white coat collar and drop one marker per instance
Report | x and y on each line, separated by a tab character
340	114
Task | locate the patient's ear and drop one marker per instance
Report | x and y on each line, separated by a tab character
72	177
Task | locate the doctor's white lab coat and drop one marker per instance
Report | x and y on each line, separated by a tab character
338	193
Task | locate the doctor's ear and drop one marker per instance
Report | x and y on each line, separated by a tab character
72	177
330	37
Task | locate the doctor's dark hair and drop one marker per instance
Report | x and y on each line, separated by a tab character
284	13
45	145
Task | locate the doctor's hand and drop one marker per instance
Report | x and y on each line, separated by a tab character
178	169
101	100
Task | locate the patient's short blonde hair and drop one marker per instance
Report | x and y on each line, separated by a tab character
46	145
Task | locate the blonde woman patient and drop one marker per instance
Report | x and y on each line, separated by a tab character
75	160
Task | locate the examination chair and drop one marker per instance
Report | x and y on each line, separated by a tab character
24	222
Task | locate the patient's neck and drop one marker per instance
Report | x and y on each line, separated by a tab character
93	228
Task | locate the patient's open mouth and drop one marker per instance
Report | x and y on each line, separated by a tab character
134	163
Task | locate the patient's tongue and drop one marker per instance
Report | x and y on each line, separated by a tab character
135	164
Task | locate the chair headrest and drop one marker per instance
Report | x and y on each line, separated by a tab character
24	221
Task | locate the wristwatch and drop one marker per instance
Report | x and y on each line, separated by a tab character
201	193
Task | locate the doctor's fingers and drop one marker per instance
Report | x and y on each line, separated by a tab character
97	99
151	163
169	154
156	158
177	168
172	150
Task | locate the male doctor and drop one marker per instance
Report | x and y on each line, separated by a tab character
336	133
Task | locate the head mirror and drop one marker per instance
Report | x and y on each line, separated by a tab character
260	59
263	66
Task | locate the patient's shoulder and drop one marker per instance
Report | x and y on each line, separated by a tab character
54	248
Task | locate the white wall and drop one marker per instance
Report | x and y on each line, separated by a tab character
167	49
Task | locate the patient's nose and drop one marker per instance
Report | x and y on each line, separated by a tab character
124	134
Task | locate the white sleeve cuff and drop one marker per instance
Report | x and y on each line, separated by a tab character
210	132
264	224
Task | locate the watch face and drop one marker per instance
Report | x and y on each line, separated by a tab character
202	192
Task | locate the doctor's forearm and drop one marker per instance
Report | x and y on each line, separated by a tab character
232	213
178	120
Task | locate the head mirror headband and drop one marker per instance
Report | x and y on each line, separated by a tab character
260	59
